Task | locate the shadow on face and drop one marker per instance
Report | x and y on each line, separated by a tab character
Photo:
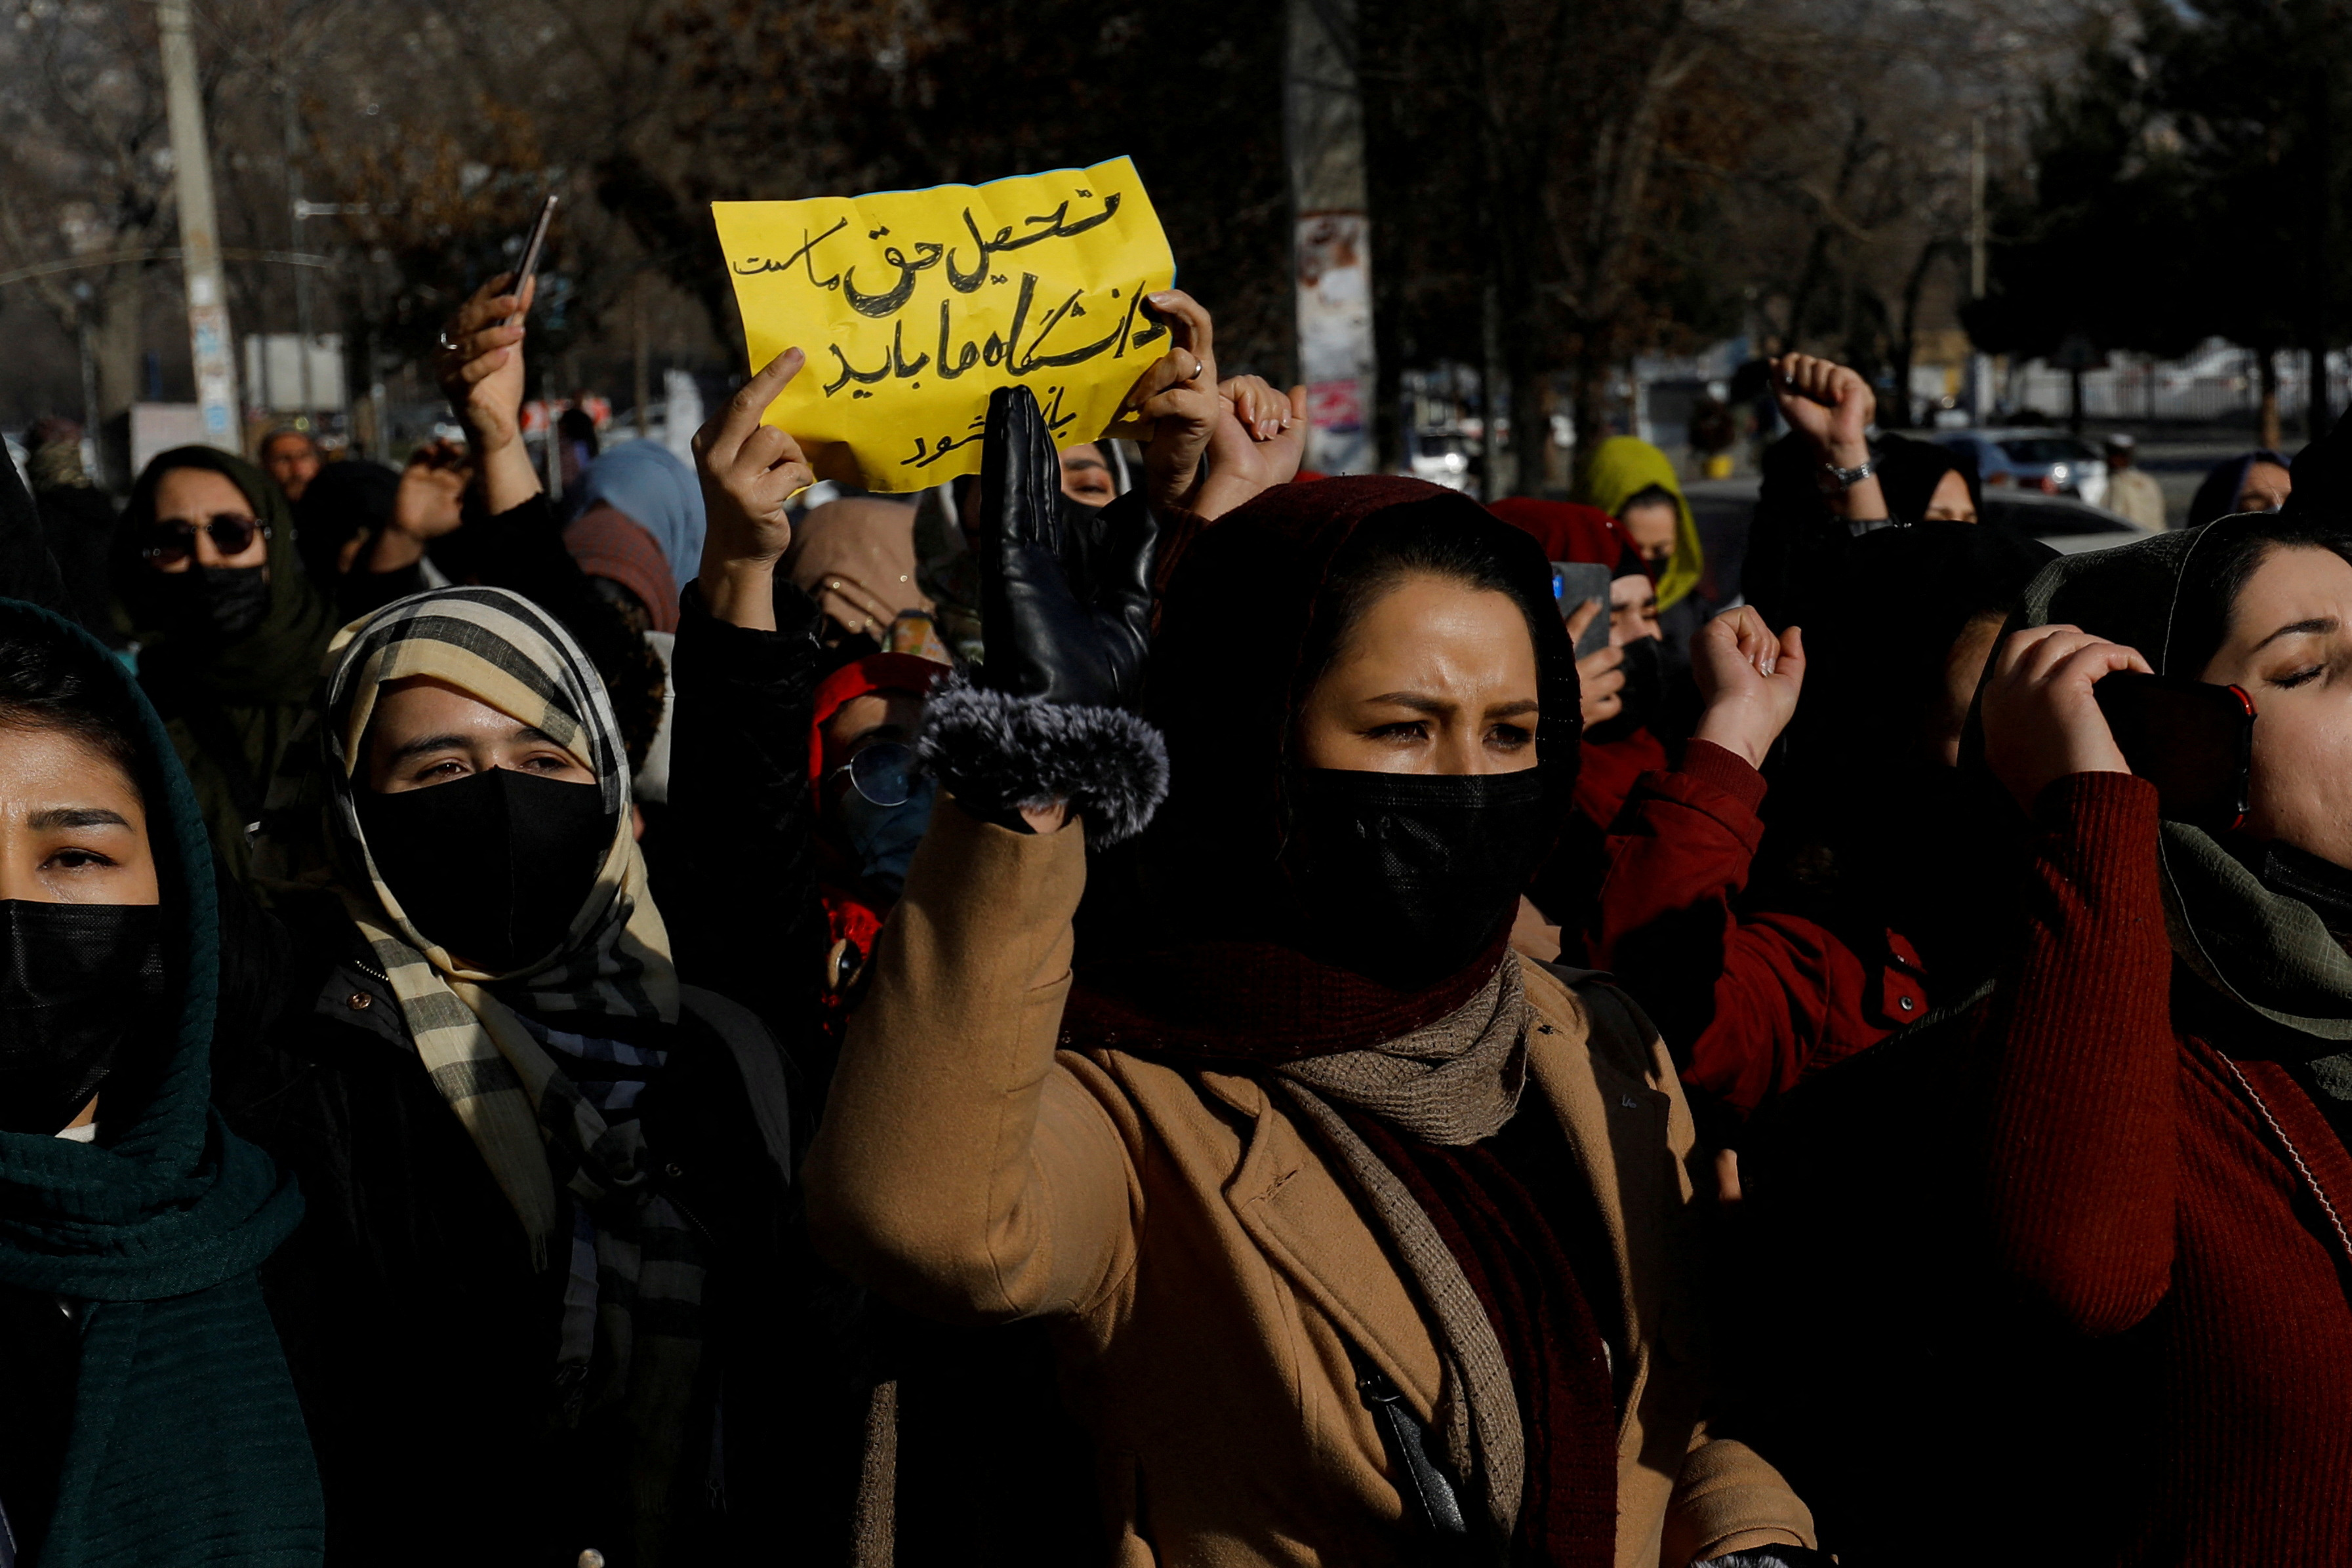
292	460
1652	526
73	828
2264	488
426	732
1950	502
195	510
1632	610
2289	644
1434	677
1087	477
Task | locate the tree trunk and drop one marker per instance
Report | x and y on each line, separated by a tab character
1495	469
1901	349
116	338
2314	406
2267	361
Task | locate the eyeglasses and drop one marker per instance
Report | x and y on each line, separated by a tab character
173	540
883	773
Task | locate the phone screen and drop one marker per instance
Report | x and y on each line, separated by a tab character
529	265
1573	583
2193	740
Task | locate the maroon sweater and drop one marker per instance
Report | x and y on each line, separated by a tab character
2142	1183
1751	1001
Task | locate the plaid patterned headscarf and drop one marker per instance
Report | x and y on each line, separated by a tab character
498	648
526	1060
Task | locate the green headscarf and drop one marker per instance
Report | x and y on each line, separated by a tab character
232	706
1621	468
2265	952
187	1445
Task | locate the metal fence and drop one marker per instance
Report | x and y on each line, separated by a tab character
2219	385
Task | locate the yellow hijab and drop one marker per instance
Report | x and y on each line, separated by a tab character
1622	467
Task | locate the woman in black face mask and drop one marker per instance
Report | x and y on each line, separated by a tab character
230	627
1356	1230
543	1173
148	1416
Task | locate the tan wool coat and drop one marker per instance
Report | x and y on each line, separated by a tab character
1204	1270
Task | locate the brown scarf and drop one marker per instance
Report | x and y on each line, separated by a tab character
1419	1125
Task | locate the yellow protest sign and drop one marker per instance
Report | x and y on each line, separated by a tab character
913	306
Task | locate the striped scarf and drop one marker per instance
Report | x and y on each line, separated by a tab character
543	1103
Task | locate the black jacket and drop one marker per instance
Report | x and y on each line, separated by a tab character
422	1341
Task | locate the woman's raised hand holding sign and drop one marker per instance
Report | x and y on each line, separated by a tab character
750	473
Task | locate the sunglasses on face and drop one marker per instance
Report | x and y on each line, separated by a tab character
883	773
173	540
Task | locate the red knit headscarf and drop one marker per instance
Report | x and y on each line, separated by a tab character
1225	974
1572	531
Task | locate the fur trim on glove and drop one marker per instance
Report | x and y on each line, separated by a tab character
999	753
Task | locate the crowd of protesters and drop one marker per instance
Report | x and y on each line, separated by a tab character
1148	1007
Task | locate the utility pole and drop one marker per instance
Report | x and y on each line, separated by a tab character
1979	365
192	175
296	209
1323	125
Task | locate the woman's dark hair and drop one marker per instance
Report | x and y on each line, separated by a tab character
1649	495
2217	495
1422	539
47	682
2217	571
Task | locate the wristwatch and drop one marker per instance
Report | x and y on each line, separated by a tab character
1848	478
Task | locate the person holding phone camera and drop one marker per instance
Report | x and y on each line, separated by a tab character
2170	1084
2087	1233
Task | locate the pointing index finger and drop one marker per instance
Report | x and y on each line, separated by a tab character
750	402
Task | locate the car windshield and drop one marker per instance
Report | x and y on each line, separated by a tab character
2046	449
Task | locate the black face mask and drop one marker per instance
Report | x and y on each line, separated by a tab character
492	868
1405	877
220	601
76	980
1643	693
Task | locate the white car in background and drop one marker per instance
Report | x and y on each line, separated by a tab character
2049	461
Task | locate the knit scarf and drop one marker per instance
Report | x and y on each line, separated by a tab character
639	1269
1525	1414
187	1445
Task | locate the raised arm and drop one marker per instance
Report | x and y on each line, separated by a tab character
742	905
961	1167
2081	1141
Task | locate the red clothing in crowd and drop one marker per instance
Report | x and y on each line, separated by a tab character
1606	773
2144	1183
854	912
1750	1003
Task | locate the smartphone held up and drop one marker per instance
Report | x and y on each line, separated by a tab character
527	265
2192	739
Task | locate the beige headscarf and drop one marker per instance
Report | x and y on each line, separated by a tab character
855	558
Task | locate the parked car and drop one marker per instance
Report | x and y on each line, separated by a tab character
2049	461
1444	457
2065	523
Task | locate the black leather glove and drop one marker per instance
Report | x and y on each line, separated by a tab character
1066	602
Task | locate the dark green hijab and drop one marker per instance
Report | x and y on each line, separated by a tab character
233	706
2264	951
187	1444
